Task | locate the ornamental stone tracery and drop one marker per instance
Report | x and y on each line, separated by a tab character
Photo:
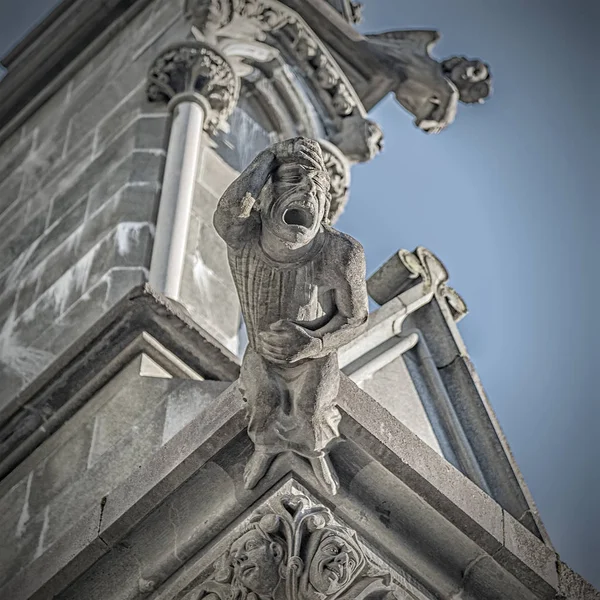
297	550
220	20
194	70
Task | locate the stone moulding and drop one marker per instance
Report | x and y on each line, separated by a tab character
220	22
190	69
398	273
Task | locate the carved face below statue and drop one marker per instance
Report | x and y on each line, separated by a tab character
293	205
256	561
333	560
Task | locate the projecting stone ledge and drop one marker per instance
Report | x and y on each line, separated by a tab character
175	524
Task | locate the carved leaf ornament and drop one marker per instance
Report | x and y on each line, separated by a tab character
425	264
304	553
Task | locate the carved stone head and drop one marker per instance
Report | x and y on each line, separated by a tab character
295	203
257	558
333	561
471	77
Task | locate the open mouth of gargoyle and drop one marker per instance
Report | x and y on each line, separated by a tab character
298	217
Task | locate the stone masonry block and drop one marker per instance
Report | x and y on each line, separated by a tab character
121	280
68	557
10	188
23	237
130	139
121	414
61	468
139	169
55	235
16	551
573	587
214	173
26	294
13	152
14	509
12	220
527	556
128	110
115	465
49	171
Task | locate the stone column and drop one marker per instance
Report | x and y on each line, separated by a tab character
201	90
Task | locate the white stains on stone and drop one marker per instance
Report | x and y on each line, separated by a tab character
19	264
72	283
202	274
24	361
24	517
40	547
129	232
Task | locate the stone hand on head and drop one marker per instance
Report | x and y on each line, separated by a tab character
300	151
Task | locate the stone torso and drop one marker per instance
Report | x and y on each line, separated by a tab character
270	291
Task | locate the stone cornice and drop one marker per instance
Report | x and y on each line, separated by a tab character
68	383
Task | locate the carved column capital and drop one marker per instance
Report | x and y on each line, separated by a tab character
195	71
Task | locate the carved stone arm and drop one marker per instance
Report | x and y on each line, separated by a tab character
236	204
352	305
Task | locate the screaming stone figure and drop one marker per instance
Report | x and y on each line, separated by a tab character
302	291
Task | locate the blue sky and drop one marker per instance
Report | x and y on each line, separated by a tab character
507	197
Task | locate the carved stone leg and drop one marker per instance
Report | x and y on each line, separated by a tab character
291	408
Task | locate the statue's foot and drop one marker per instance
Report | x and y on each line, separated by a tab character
256	468
325	473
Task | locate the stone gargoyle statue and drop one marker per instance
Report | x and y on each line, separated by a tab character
302	291
428	89
297	553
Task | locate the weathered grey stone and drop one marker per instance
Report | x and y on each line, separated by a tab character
76	550
422	85
572	586
13	219
179	456
529	558
26	295
433	478
60	469
10	188
302	292
394	389
23	237
211	300
67	223
326	560
49	172
13	153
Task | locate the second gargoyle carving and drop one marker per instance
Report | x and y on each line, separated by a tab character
302	291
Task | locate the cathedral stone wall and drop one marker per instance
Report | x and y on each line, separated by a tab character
63	485
79	187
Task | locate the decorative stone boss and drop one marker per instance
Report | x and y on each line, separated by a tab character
302	291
